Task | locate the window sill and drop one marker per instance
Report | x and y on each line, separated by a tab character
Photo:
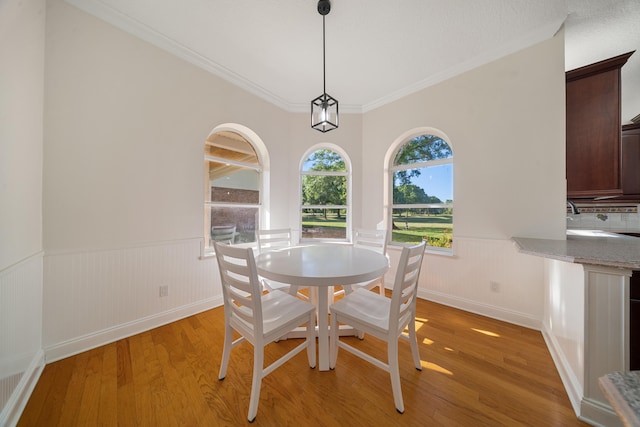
439	251
209	253
428	250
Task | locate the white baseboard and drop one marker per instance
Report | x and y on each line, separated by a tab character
87	342
571	384
494	312
15	405
587	410
599	415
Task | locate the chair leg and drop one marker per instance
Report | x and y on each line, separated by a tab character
256	382
311	338
226	351
413	341
394	371
333	340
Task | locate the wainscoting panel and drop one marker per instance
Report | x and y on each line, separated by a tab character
21	358
95	297
484	276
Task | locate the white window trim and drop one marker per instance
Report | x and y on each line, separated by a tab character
222	160
389	170
263	168
346	173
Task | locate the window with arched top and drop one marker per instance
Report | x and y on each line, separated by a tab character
421	175
325	194
233	181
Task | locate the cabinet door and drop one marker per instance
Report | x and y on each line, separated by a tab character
593	129
631	160
634	321
634	335
593	135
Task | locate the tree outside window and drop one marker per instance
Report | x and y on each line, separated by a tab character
422	183
324	194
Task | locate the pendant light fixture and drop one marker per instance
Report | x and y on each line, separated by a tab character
324	109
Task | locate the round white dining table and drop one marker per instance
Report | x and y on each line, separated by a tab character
323	266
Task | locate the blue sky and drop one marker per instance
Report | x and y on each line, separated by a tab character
436	181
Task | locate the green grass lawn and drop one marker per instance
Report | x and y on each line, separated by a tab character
437	229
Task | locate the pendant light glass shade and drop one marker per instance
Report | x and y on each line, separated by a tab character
324	109
324	113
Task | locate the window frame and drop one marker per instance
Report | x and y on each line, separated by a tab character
348	207
262	168
391	168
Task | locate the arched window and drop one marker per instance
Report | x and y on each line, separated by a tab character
325	194
422	192
233	182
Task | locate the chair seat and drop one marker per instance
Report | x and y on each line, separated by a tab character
278	309
364	306
272	285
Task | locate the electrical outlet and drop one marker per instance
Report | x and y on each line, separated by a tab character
495	286
164	291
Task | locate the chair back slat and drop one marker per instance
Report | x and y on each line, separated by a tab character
269	240
240	285
224	233
375	240
405	287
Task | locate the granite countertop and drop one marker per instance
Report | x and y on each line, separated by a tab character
622	390
586	247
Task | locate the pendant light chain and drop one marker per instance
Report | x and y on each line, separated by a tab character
324	61
324	108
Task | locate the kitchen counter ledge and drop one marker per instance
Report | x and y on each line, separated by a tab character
586	247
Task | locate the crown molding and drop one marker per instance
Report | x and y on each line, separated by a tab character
138	29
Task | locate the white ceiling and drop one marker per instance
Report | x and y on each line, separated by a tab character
377	51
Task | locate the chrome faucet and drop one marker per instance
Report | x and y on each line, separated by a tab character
574	208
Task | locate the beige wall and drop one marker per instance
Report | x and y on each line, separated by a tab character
22	45
126	124
505	123
21	100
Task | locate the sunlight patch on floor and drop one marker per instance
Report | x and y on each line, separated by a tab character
488	333
427	341
419	323
435	368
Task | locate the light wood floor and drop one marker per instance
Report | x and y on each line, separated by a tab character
477	372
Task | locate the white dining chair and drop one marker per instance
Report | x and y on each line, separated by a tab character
374	240
384	318
259	318
224	233
269	240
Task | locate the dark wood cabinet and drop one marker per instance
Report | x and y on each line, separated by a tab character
630	146
634	322
593	147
